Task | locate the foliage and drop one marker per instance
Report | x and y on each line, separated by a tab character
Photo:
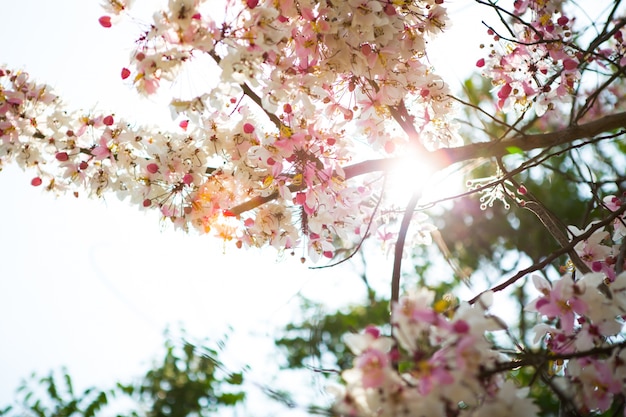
319	335
190	381
47	397
186	383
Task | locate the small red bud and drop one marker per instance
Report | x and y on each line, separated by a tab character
83	165
125	73
62	156
108	120
248	128
372	331
147	202
152	168
570	64
480	63
252	3
36	182
187	179
287	108
105	21
183	124
522	190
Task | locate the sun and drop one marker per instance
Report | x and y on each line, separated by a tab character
419	173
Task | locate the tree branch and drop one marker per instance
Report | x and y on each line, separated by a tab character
555	254
444	157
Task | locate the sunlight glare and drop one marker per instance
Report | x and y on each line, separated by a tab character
418	172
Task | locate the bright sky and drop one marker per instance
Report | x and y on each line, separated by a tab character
92	284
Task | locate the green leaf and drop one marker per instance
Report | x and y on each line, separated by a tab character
235	379
514	150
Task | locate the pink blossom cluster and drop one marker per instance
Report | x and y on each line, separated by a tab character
436	364
536	67
585	316
442	361
194	176
259	158
335	62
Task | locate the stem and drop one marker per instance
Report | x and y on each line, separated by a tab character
555	254
399	250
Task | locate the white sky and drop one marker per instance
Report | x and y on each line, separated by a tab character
92	284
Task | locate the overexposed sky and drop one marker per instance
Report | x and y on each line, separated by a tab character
91	285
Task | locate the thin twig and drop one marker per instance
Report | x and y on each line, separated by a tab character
399	249
554	255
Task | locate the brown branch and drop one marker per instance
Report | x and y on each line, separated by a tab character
539	265
251	94
540	359
399	249
445	157
530	142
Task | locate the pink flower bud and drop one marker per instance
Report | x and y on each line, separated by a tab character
248	128
570	64
108	120
125	73
36	182
372	331
105	21
152	168
62	156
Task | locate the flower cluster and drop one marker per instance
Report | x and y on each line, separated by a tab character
195	177
299	85
435	365
585	316
537	66
340	61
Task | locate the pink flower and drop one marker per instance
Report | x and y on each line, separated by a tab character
559	301
373	364
101	151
